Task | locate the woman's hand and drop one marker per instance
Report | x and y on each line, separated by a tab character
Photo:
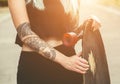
75	63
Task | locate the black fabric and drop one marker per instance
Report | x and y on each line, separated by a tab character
35	69
50	22
18	41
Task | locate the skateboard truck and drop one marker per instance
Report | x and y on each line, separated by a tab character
71	38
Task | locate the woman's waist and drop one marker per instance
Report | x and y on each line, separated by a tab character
51	41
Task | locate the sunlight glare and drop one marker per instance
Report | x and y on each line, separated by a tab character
88	1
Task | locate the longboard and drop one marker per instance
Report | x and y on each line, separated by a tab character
93	51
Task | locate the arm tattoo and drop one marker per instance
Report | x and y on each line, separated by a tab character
33	41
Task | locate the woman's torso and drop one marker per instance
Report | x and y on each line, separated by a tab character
49	24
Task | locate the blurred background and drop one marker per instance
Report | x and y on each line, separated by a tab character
108	11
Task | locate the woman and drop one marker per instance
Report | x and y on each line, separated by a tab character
40	25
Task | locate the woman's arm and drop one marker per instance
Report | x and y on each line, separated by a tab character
18	11
22	24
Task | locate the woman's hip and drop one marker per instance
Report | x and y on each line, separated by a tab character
33	66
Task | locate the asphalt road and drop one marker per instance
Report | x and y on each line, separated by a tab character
110	19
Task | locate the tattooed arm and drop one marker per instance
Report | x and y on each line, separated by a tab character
21	22
34	42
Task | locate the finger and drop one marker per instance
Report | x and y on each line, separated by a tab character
82	64
79	71
81	68
83	60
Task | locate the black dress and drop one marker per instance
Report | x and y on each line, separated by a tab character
34	68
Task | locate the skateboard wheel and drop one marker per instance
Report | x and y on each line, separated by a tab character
70	39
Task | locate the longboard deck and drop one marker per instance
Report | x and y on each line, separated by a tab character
93	51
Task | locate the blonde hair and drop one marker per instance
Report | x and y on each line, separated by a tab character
71	7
